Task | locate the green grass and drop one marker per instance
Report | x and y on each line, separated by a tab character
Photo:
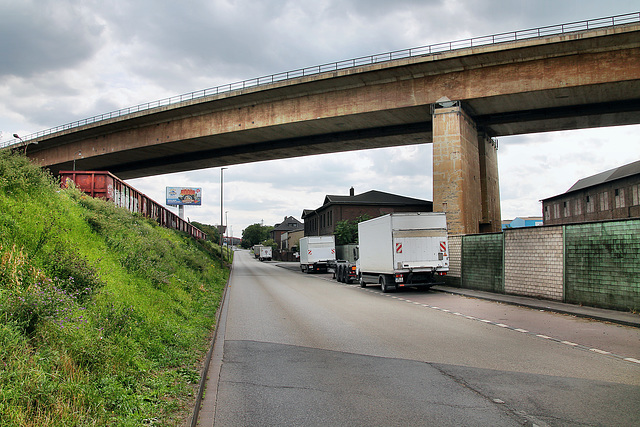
104	316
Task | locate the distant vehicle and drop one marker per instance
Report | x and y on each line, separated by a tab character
265	253
316	252
256	251
403	250
344	267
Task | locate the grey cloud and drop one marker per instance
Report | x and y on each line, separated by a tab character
40	36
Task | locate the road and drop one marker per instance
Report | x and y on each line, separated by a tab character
302	350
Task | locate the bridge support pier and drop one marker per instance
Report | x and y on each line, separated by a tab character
465	173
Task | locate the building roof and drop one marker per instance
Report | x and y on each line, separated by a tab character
374	197
603	177
286	224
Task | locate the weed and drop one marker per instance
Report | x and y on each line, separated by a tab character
102	313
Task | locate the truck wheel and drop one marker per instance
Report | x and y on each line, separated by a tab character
363	284
341	274
384	285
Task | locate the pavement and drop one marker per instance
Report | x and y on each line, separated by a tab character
613	316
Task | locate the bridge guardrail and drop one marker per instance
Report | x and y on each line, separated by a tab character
346	64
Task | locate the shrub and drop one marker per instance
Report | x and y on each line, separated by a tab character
27	307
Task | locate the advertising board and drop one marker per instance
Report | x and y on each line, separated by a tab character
181	196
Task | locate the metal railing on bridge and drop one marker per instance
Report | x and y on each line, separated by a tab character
346	64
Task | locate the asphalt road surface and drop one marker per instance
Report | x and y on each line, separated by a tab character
302	350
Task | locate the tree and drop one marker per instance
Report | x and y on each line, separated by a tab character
255	234
211	230
347	231
270	242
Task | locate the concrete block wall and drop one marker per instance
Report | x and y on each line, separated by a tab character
602	264
533	262
482	262
454	275
595	264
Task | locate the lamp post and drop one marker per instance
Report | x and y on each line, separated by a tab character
74	158
15	135
221	208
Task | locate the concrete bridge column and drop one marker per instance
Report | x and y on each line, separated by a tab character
465	173
491	217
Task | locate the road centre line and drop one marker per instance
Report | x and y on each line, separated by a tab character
502	325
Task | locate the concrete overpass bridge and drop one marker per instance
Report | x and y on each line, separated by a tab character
458	96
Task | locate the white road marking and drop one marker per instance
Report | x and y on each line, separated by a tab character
502	325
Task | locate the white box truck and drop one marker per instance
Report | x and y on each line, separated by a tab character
403	250
265	253
316	252
256	251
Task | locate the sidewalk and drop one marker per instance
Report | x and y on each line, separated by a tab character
614	316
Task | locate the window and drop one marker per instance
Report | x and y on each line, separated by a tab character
619	198
635	194
589	204
578	208
546	213
604	201
565	210
556	211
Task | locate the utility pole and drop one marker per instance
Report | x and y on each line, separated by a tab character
221	210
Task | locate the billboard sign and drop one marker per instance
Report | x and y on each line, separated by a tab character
177	196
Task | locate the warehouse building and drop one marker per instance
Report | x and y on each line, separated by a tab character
613	194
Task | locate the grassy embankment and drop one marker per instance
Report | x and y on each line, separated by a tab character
104	316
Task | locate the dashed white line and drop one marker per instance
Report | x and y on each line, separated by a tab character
502	325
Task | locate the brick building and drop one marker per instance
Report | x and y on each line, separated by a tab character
323	220
279	230
614	194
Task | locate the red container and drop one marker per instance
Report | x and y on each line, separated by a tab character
107	186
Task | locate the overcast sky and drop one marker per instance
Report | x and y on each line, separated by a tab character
65	60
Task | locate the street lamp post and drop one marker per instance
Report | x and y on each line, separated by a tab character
221	208
15	135
74	158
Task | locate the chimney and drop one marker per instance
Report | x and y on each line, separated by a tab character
352	192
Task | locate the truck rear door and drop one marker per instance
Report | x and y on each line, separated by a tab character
414	249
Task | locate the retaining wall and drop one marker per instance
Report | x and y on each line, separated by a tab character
595	264
533	262
602	264
482	262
